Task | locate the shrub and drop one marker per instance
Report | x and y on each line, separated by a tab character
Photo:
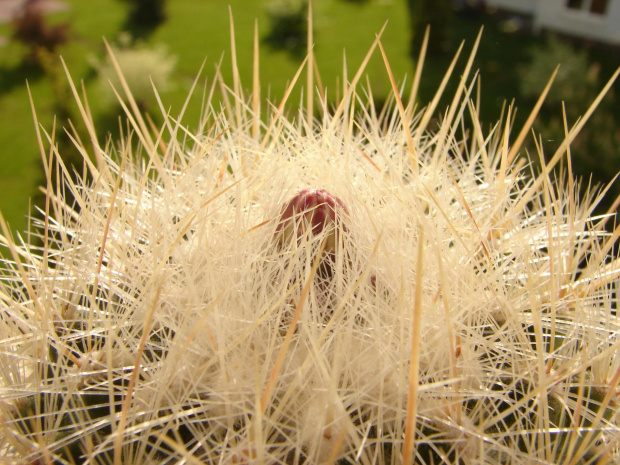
146	14
438	15
31	28
595	151
143	66
289	25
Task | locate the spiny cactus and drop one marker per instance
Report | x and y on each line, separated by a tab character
449	303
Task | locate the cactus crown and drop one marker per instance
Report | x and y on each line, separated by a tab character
463	312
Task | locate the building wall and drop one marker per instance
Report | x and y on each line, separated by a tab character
556	16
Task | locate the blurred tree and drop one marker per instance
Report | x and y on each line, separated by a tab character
143	67
30	28
145	16
289	25
439	15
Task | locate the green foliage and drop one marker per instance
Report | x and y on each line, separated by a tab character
576	85
574	67
146	13
31	28
289	25
436	13
143	67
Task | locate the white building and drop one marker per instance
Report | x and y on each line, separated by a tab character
590	19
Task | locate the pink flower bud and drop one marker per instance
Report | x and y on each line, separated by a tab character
312	212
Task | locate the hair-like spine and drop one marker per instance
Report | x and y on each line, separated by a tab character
357	289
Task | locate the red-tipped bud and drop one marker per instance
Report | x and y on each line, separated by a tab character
312	211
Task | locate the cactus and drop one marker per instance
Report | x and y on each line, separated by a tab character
448	304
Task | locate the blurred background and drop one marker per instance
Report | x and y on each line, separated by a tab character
168	40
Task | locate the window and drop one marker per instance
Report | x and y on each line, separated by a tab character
598	7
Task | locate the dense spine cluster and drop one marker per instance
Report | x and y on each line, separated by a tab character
353	289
